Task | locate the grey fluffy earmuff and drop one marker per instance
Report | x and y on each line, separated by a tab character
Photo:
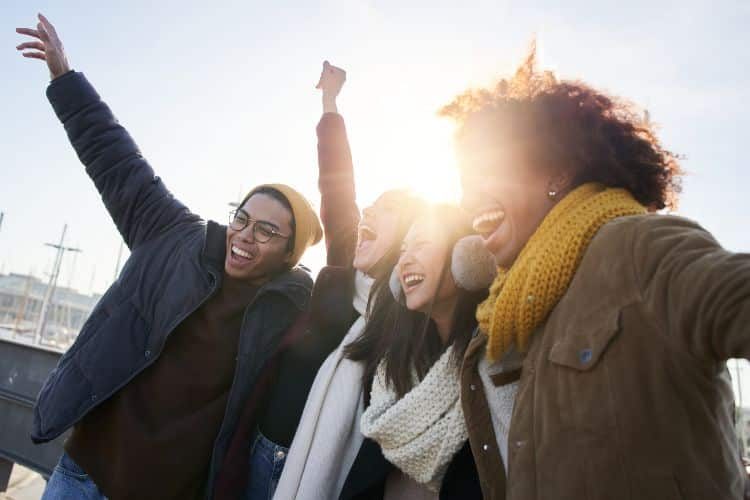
473	268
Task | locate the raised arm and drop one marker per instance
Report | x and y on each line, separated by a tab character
697	292
138	202
338	205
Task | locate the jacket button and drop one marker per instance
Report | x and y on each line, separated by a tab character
147	354
585	355
519	444
473	387
93	397
280	455
485	447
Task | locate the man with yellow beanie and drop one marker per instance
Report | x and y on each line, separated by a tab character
156	382
272	244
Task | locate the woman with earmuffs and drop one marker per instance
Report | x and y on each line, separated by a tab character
418	328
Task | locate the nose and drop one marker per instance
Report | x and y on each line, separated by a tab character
248	233
405	259
466	202
472	194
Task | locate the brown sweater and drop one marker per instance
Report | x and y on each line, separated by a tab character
154	438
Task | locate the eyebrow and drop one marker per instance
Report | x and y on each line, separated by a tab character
277	228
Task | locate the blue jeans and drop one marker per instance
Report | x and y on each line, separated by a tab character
69	482
266	463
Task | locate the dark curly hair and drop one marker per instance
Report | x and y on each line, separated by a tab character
538	120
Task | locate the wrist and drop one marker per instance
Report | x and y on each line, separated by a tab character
329	104
58	70
60	74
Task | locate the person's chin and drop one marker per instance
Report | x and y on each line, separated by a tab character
498	244
416	303
239	272
362	263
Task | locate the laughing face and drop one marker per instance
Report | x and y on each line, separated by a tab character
424	256
249	259
506	201
377	233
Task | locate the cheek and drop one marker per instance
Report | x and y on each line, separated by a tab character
230	234
272	253
448	288
433	263
388	235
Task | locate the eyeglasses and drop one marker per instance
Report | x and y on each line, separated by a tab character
262	231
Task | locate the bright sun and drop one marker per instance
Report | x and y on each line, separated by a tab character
423	161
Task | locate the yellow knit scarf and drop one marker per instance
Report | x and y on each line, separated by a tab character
522	297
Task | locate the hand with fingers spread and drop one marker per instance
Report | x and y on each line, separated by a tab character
331	81
46	47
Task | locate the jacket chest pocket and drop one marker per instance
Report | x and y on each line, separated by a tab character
580	365
581	407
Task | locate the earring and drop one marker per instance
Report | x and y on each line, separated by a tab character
552	194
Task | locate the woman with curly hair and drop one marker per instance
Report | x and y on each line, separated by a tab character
599	369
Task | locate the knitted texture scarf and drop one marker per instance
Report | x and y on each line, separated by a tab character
328	437
420	432
522	297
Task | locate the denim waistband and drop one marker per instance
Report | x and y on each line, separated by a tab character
261	444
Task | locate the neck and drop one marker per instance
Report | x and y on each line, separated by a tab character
442	315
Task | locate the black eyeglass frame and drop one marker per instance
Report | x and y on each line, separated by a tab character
266	225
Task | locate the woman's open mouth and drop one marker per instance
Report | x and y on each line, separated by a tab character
487	223
411	281
366	235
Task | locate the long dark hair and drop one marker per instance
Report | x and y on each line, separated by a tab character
408	340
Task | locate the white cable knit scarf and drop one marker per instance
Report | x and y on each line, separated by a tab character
420	432
328	438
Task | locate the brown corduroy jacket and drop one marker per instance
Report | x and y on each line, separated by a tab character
624	391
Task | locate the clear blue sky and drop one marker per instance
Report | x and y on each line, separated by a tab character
220	97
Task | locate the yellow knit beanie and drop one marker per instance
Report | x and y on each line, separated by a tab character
307	228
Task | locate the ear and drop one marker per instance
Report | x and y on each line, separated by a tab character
560	182
472	265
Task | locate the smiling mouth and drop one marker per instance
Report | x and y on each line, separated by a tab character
487	223
412	281
240	254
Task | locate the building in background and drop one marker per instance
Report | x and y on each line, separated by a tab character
21	299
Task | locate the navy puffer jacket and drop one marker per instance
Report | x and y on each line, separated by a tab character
176	264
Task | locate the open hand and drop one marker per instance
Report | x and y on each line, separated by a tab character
46	47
